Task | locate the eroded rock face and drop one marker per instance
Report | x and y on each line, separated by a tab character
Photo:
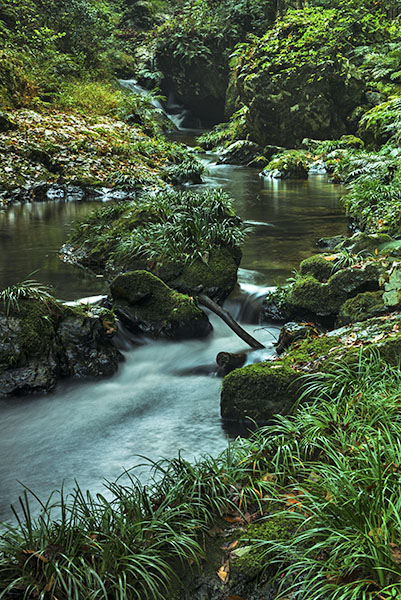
42	341
147	306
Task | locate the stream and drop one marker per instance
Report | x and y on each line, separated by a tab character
92	431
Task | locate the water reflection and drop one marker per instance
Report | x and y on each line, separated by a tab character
30	237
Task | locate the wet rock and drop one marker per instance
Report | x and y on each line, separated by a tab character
42	340
147	306
293	332
241	152
329	243
228	361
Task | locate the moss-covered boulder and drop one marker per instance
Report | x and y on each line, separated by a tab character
361	307
149	307
293	164
319	266
324	299
42	340
322	287
261	391
189	240
242	152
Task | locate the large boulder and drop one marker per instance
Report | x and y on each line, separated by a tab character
43	340
149	307
296	81
241	152
322	287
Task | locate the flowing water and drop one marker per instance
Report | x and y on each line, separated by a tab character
92	431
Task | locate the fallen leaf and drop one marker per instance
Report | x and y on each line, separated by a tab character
232	545
331	257
232	519
224	572
37	554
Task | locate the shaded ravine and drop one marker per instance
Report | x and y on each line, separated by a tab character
94	430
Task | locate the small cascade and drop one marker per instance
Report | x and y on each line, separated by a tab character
133	86
245	302
180	116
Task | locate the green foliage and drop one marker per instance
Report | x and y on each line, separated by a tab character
169	226
308	37
11	296
383	122
224	134
202	29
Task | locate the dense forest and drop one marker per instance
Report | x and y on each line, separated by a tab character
308	505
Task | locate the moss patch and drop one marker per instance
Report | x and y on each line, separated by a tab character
318	266
153	299
361	307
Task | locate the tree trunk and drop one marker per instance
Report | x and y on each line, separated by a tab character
227	318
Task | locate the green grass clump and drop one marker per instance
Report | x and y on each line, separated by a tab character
168	226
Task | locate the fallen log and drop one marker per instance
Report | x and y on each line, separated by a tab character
227	318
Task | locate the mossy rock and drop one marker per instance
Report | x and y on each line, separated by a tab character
263	390
312	297
241	152
318	266
216	278
361	307
43	340
293	164
259	392
251	559
364	243
148	306
392	289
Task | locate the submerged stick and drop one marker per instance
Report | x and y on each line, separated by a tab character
227	318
